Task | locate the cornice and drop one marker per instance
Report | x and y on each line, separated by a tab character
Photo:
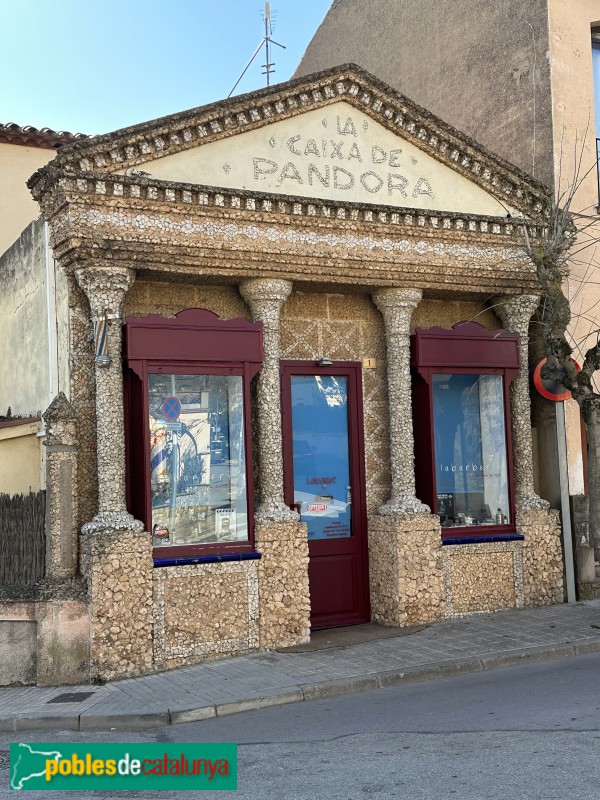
139	144
53	189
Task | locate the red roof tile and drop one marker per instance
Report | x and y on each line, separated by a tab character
11	133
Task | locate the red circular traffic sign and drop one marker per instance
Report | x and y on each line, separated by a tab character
551	390
171	408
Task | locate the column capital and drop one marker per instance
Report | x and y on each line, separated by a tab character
515	312
389	299
261	293
105	287
397	307
60	423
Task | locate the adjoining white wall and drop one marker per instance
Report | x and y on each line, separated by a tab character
24	366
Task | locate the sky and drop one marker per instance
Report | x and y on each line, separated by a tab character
93	67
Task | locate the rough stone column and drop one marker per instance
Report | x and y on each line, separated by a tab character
405	565
280	537
542	549
265	298
116	552
61	489
515	314
105	289
397	307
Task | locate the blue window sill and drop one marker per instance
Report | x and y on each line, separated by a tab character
504	537
179	562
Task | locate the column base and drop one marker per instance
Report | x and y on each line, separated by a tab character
275	512
405	566
284	601
404	505
531	501
112	521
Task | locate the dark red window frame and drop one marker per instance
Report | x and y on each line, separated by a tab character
468	348
195	341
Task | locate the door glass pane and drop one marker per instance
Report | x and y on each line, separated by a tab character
198	474
322	492
470	450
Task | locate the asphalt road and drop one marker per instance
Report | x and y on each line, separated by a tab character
521	733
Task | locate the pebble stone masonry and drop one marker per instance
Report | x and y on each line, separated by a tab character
61	498
116	552
404	537
397	306
280	536
516	313
542	552
327	275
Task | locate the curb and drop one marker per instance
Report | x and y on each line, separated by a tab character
305	692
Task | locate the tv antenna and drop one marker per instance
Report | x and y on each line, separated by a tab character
267	41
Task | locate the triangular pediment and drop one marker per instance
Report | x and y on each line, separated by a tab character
334	153
340	135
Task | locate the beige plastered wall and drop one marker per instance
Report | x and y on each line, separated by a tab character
17	207
570	24
21	459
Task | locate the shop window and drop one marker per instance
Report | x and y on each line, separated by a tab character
462	427
470	449
197	459
188	432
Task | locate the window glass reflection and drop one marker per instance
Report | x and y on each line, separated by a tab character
197	459
322	492
470	450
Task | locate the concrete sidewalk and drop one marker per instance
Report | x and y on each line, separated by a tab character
240	683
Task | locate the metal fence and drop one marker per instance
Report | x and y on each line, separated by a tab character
22	538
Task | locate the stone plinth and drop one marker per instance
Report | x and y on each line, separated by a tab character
284	600
542	556
405	566
482	577
117	563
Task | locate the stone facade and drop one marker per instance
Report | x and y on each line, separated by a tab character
329	277
214	627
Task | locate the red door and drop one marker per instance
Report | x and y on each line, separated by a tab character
324	481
